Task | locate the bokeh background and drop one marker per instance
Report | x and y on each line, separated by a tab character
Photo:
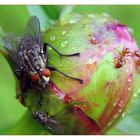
13	19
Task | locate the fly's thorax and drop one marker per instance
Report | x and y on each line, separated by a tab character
32	60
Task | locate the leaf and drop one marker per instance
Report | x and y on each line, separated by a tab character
52	11
13	19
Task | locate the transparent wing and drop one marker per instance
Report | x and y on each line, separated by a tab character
11	44
33	31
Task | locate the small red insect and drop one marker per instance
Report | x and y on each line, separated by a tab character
120	61
93	41
137	54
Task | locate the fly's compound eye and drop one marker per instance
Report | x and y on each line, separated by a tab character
35	77
46	72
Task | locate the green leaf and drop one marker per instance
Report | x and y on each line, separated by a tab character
14	19
52	11
23	127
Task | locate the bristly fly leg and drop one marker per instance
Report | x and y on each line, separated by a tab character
18	72
60	54
55	69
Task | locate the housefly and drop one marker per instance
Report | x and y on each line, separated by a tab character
30	57
49	122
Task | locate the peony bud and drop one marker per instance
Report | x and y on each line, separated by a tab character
108	65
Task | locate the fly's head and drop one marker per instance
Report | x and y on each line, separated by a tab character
35	66
41	77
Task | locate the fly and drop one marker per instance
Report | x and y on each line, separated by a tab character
30	57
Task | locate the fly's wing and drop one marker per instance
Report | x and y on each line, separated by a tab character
33	31
54	126
11	44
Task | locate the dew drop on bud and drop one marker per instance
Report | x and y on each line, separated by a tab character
90	61
114	104
67	99
127	70
121	103
64	43
123	114
120	110
72	21
106	15
110	123
116	116
52	38
86	28
129	89
129	80
64	32
91	15
137	93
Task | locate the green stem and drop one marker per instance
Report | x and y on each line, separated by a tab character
26	126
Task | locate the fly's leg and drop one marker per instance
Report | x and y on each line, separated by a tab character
40	99
55	69
21	96
60	54
40	96
18	73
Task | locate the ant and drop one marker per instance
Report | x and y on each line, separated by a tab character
137	54
120	61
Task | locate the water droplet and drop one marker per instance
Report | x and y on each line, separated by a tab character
110	123
123	114
121	103
64	32
112	38
137	93
67	99
19	38
106	15
91	15
129	89
131	30
85	105
127	70
114	104
116	116
90	61
64	43
120	110
52	38
68	62
129	80
73	20
49	48
86	28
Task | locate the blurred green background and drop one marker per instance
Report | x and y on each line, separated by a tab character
13	19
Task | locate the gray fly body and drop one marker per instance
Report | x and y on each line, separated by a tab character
30	57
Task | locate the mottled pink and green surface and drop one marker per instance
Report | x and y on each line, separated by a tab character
95	105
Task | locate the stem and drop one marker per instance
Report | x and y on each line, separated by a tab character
26	126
